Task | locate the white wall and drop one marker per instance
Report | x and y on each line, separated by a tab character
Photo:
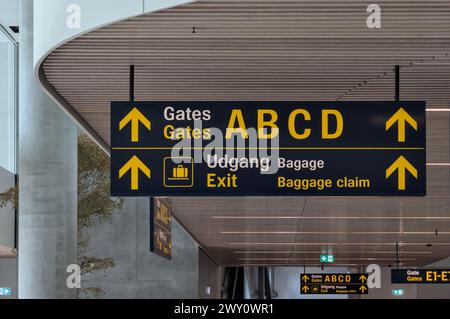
385	292
8	276
155	5
139	273
50	18
9	12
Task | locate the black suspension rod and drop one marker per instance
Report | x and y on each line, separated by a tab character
131	83
397	83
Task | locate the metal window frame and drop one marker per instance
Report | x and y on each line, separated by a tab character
15	46
15	76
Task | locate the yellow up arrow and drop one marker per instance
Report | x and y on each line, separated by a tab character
305	278
362	278
135	116
401	164
362	289
402	117
305	289
134	164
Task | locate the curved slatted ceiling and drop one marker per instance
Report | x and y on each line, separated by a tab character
280	50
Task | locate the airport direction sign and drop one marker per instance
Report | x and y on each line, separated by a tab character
324	148
332	284
420	276
161	227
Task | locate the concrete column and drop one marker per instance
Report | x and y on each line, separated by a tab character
47	179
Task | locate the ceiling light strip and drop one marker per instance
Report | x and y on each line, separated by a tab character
336	243
290	264
438	110
336	260
321	252
334	217
330	233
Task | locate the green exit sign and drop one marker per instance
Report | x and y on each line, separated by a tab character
327	258
397	292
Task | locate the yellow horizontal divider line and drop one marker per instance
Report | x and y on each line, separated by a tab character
137	148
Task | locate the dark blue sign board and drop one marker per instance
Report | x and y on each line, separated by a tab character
420	276
277	148
333	284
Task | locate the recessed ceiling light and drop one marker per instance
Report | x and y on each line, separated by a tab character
438	110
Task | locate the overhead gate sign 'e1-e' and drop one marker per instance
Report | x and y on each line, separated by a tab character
420	276
268	148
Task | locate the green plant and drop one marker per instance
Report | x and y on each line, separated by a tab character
11	196
90	264
94	203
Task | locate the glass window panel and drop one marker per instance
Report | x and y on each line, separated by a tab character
7	103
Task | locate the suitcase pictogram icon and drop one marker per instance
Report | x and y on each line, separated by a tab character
180	172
